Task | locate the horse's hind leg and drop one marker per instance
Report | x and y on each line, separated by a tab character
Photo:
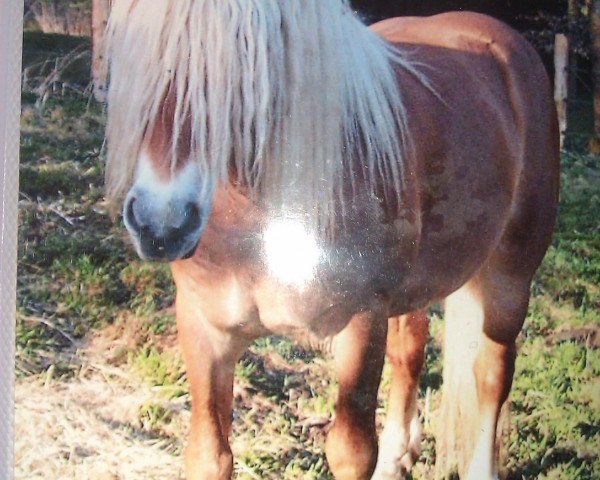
483	319
359	352
400	441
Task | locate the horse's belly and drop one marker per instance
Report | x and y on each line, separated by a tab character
387	264
287	282
347	279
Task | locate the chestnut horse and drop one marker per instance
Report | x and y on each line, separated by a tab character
309	176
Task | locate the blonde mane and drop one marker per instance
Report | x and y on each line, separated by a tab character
286	89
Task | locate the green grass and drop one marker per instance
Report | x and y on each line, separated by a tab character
54	64
555	406
78	278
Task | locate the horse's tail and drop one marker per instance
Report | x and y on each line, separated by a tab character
459	413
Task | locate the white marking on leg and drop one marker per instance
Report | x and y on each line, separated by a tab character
398	446
414	444
482	463
393	444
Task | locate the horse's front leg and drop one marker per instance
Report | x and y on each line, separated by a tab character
400	441
359	352
210	355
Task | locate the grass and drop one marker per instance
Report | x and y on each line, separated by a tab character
555	404
91	314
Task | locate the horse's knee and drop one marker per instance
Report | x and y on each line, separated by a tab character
203	464
351	451
494	369
359	351
406	339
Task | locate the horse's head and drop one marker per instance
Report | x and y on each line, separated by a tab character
213	93
168	204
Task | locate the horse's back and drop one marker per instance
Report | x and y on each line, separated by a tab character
471	58
463	31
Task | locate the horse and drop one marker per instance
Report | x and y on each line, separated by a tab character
309	176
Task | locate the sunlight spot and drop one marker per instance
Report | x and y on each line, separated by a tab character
291	251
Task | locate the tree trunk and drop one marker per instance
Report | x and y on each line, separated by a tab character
561	76
100	11
573	14
595	31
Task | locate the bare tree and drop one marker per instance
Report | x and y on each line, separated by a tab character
100	11
595	31
573	14
561	76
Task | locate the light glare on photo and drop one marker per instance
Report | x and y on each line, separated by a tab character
292	252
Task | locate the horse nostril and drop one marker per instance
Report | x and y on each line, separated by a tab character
130	215
192	219
153	229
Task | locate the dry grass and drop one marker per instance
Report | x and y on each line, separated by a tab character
87	429
109	420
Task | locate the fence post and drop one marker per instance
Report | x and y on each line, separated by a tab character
561	82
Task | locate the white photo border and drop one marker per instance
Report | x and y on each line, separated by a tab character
11	41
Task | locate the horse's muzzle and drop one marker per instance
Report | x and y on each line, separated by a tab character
169	238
